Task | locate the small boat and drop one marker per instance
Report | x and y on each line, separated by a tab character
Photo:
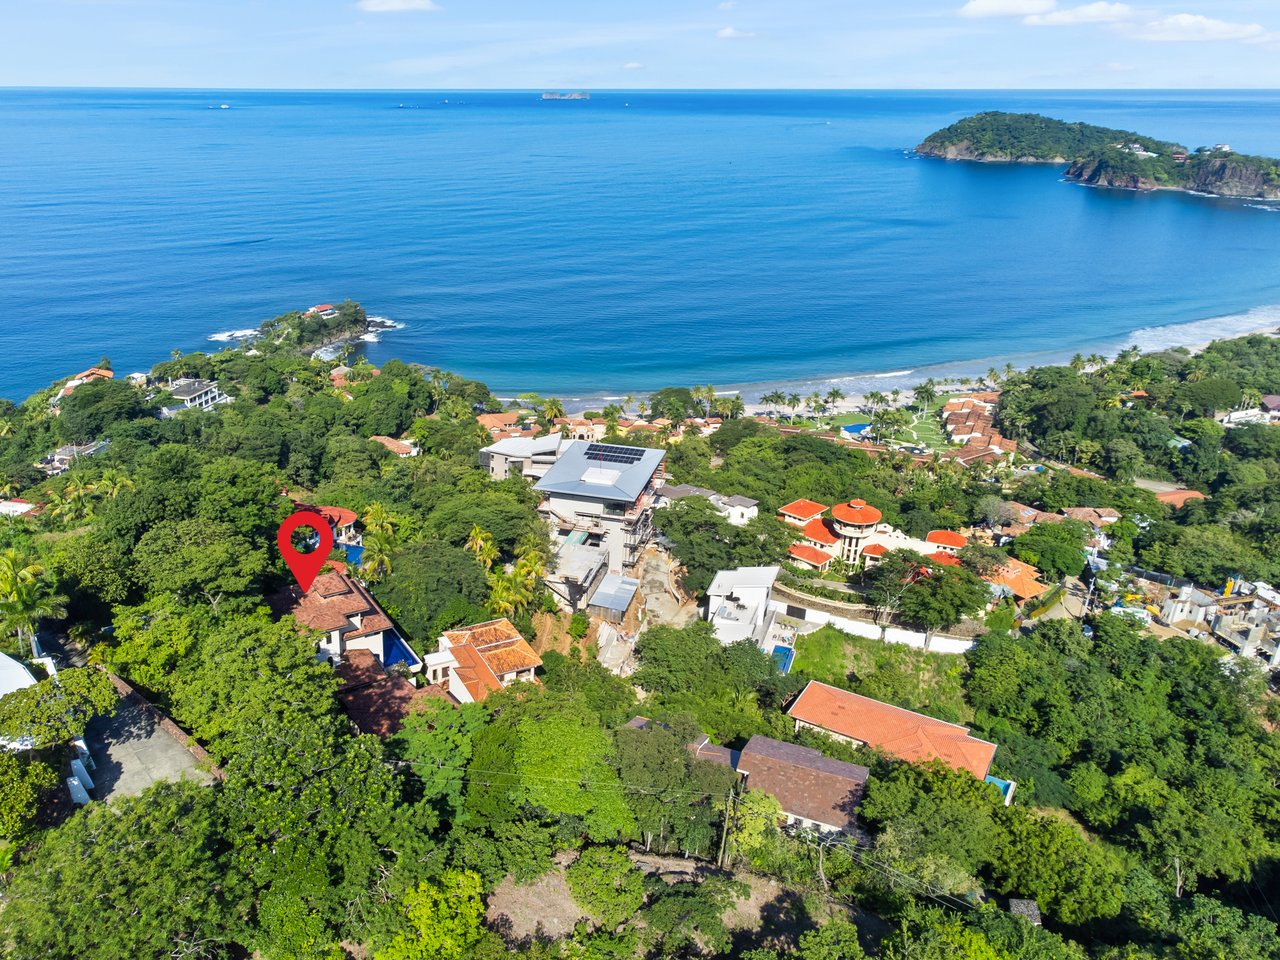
224	106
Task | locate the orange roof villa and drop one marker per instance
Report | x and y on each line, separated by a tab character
904	734
473	662
855	533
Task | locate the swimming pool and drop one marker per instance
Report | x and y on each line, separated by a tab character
783	656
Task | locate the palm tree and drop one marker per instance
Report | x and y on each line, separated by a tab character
378	520
735	407
1077	362
876	399
26	597
794	401
502	597
895	393
552	409
8	488
1008	370
833	397
17	569
6	427
775	399
375	561
814	403
1096	360
528	570
641	406
627	401
708	396
993	376
480	542
924	395
112	483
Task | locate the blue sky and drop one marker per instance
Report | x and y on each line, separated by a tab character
472	44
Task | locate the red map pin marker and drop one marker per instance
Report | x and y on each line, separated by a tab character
305	566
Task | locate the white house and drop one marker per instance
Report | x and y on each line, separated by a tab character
739	511
193	394
528	457
738	602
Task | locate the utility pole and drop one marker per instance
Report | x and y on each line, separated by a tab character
724	829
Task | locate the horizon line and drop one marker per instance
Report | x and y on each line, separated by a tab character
416	89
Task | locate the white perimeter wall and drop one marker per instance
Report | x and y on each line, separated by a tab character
862	628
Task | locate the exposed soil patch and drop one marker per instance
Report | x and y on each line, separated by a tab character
538	910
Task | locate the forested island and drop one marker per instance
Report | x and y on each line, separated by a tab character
1104	157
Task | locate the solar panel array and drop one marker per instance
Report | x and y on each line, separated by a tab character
607	453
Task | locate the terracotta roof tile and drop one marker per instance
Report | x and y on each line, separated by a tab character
398	447
1180	498
818	531
803	510
856	512
901	733
378	702
947	538
805	782
812	555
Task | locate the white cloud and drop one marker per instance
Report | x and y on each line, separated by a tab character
729	33
633	66
395	6
728	4
1089	13
1006	8
1193	28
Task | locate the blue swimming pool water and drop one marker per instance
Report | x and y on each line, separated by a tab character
783	656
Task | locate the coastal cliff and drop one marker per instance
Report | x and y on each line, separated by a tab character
1219	177
1102	157
966	150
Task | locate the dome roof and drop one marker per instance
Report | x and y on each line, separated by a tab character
856	512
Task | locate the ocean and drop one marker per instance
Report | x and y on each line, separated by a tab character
616	245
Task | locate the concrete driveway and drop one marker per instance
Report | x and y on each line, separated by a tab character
132	753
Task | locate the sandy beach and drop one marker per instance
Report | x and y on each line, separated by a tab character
1194	337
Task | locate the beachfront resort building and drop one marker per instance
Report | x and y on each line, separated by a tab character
602	495
473	662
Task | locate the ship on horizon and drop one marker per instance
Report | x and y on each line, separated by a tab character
559	95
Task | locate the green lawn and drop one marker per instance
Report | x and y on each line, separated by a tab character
895	673
925	428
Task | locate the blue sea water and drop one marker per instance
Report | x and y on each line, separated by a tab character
633	241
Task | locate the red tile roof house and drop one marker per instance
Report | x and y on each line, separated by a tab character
342	522
800	512
401	448
342	609
473	662
947	541
904	734
377	701
814	791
